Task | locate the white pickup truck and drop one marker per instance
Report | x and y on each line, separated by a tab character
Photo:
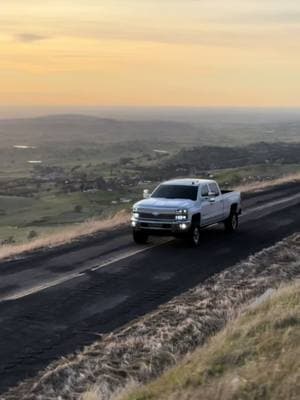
182	207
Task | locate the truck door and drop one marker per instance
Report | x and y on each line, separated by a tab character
207	212
217	204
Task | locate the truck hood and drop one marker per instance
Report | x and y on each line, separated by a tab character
160	203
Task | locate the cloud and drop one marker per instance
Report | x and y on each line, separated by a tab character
30	37
266	18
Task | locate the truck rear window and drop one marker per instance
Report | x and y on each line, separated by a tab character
176	192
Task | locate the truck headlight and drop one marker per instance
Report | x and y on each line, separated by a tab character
182	211
181	217
135	215
181	214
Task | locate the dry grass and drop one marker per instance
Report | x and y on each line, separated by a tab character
252	187
66	235
144	349
257	356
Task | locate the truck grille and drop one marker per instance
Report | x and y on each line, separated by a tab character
157	217
156	225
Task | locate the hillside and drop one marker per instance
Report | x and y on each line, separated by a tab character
72	186
207	129
143	349
256	357
88	129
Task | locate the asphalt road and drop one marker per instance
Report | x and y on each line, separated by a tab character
56	301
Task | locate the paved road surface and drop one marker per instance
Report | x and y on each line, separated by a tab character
55	302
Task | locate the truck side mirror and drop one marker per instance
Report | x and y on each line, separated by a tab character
146	194
212	197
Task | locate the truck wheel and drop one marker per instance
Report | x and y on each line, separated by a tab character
195	236
140	237
232	222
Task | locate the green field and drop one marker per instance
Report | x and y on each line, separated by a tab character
254	173
24	218
58	171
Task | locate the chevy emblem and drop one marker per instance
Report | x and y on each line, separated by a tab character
155	214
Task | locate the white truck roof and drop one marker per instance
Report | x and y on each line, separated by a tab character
188	182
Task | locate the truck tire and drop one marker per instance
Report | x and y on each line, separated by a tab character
232	222
195	235
140	237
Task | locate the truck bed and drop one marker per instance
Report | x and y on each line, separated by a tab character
226	191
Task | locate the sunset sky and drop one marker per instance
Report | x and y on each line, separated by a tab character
150	52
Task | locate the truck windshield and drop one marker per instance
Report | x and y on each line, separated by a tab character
176	192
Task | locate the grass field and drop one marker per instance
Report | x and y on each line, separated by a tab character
93	175
24	218
254	173
256	357
21	216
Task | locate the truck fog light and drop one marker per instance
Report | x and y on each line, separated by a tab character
183	226
133	224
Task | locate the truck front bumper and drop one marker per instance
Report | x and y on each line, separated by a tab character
161	228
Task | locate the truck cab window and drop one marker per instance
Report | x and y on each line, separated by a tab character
176	192
214	189
204	191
